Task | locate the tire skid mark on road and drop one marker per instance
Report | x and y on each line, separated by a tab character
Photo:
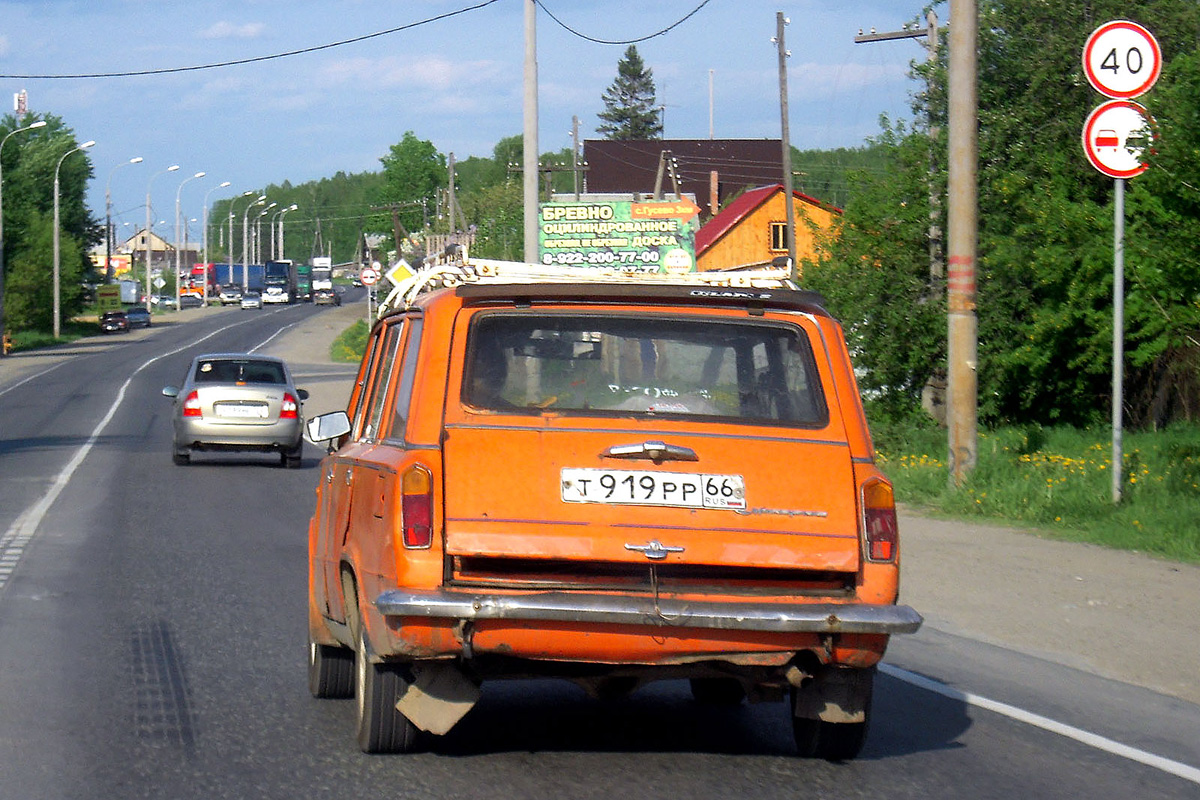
1176	768
162	699
18	536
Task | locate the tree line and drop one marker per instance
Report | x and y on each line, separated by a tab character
1045	246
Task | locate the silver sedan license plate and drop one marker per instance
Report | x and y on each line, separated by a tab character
242	410
645	488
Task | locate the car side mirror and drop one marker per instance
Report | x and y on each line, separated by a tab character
324	427
170	391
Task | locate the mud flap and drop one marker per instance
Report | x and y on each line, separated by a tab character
437	698
836	695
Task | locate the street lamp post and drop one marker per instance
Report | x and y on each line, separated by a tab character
178	193
204	233
231	218
280	214
41	123
245	238
258	232
57	292
108	237
171	168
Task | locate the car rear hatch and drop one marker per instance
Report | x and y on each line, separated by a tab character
640	447
241	405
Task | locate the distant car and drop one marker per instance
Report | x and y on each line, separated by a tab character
114	321
162	300
231	295
190	301
276	294
138	317
326	297
237	402
251	299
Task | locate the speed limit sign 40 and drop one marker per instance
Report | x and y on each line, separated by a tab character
1122	59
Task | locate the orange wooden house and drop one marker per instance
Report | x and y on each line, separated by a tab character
753	229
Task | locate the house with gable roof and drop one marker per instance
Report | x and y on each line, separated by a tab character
752	229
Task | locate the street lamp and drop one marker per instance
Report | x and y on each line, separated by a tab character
245	238
108	237
179	192
41	123
279	254
258	233
204	233
231	217
171	168
57	302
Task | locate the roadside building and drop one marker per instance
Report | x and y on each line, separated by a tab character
752	229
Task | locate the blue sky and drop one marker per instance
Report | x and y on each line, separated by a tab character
456	82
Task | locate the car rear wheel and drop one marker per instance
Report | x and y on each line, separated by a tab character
330	671
292	458
832	741
849	689
381	728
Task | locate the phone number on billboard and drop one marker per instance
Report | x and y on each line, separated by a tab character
602	257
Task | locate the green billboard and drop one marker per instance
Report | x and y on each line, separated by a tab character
649	236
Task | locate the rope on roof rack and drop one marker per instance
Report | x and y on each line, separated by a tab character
487	271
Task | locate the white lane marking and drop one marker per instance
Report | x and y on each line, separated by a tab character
1175	768
21	532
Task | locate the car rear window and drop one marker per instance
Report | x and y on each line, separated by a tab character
644	366
231	371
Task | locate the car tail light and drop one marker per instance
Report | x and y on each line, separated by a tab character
191	406
879	520
289	409
416	507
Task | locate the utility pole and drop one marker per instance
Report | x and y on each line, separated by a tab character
575	153
780	22
962	222
530	139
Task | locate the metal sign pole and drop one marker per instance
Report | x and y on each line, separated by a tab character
1118	333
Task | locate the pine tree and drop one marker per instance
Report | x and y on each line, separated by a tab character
629	111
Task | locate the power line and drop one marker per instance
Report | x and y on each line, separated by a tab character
585	37
255	59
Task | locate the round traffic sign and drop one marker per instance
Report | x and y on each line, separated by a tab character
1122	59
369	276
1115	135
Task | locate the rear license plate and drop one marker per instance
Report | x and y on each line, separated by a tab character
242	411
644	488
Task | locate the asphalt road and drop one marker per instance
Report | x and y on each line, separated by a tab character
152	634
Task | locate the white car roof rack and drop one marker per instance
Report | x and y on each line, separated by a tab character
488	271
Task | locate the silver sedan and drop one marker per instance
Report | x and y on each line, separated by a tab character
238	402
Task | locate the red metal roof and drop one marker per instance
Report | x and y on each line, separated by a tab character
739	209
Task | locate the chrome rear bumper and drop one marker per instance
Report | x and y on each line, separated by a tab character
610	609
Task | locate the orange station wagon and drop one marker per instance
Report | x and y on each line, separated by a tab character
606	478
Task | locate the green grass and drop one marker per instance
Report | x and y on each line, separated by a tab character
349	346
70	330
1059	480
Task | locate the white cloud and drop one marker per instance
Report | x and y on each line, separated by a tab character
420	74
227	30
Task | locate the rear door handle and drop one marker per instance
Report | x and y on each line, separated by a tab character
651	451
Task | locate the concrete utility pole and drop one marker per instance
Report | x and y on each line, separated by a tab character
788	195
530	139
962	379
